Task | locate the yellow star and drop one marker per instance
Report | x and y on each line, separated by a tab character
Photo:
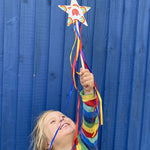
75	12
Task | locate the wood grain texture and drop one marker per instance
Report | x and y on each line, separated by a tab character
10	77
1	61
25	73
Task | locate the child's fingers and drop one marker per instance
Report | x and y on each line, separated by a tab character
83	71
88	83
85	79
86	74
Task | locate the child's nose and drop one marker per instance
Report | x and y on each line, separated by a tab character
62	118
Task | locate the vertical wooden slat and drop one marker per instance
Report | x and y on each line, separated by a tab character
10	70
25	83
145	130
56	53
88	32
126	73
140	61
100	43
41	58
112	72
99	55
1	61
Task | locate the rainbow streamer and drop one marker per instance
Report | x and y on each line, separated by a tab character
74	73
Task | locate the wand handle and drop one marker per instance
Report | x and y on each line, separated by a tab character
82	62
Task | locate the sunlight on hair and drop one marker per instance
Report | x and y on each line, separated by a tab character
39	139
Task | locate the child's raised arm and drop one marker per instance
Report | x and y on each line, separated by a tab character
87	139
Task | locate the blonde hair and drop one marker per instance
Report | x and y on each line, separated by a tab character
39	139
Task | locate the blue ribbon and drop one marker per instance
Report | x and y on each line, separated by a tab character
55	135
69	96
76	29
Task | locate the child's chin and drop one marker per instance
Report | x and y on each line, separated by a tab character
68	131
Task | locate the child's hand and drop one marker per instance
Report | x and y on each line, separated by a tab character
87	81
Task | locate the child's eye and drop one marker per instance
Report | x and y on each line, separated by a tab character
53	121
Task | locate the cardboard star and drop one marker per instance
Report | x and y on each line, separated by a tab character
75	12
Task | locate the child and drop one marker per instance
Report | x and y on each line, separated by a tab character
49	122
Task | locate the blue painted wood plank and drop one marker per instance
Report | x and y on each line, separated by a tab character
100	43
126	75
139	83
10	74
114	41
56	52
99	54
145	136
1	60
66	72
87	33
41	58
26	70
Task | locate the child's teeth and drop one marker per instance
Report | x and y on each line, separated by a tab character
64	125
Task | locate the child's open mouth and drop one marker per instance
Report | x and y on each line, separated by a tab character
64	125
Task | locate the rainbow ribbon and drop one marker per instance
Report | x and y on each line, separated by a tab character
74	73
74	70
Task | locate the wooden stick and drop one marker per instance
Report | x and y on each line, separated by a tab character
82	62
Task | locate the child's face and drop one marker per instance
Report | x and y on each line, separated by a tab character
52	122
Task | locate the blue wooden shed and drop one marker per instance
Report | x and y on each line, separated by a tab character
35	73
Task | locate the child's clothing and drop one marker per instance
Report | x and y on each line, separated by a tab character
88	136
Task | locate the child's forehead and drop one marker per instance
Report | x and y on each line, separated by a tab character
53	114
57	113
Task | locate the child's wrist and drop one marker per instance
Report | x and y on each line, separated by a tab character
88	92
87	97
